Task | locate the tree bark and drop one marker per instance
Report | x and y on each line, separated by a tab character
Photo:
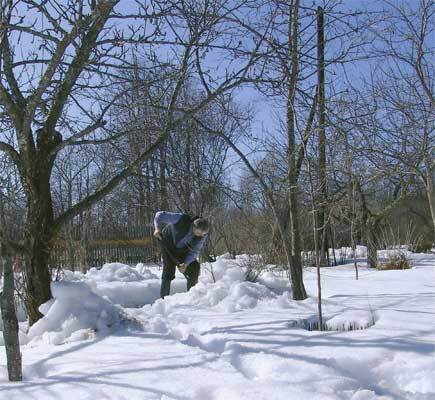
430	191
372	242
39	234
164	204
10	322
186	184
295	259
322	229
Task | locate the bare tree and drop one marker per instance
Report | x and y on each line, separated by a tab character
75	61
406	85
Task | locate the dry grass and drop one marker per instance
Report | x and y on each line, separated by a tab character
399	261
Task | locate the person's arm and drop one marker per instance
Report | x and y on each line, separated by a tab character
194	251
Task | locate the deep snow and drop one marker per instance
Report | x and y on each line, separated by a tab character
106	335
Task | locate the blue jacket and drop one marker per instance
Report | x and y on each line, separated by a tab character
163	218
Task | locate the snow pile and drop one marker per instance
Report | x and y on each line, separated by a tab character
74	313
115	272
229	294
72	276
112	272
120	283
390	253
361	252
278	284
145	272
128	294
347	252
350	320
224	269
225	256
223	296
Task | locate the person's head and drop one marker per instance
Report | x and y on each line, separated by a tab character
200	227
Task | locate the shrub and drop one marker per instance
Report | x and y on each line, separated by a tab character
253	266
396	261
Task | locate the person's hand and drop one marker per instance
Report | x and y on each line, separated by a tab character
157	234
182	268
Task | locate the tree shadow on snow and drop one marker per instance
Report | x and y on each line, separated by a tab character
104	377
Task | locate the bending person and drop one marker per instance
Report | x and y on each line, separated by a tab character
181	240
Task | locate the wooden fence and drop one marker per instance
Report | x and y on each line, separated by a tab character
78	250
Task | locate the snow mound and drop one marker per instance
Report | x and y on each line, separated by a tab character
74	313
115	272
145	272
121	284
351	320
226	269
229	294
347	252
347	320
72	276
279	285
224	292
229	297
128	294
225	256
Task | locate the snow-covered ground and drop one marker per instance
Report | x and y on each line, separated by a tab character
108	336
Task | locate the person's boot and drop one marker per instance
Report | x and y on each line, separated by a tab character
165	288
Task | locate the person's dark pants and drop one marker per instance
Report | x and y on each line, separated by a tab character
170	262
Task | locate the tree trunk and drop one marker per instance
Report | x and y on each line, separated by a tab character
370	223
10	322
69	231
186	185
372	242
296	278
164	204
39	237
299	292
322	220
295	259
430	191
